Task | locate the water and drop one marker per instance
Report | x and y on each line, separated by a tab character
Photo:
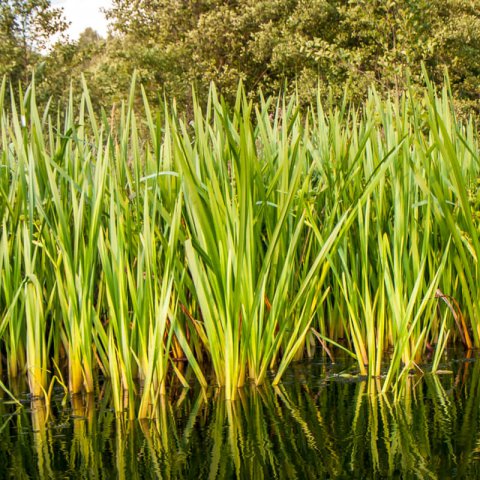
320	423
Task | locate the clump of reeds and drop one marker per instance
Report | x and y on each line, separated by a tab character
152	247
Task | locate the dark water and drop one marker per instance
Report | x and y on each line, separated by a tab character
318	424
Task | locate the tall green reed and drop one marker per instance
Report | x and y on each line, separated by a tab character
137	243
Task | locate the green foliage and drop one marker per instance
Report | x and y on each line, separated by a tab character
64	66
336	47
302	44
26	28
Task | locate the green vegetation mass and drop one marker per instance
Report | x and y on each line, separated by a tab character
337	47
217	233
150	249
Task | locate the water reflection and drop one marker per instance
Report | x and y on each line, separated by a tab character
309	427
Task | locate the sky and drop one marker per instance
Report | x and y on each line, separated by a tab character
83	14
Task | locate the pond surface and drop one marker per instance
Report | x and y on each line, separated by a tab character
321	422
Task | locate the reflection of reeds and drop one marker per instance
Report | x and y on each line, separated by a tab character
348	429
42	443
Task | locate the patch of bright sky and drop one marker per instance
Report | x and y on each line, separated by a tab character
84	13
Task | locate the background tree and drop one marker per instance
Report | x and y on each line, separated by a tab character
331	43
65	64
26	28
337	46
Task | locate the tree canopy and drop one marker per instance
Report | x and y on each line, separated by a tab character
26	28
306	45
